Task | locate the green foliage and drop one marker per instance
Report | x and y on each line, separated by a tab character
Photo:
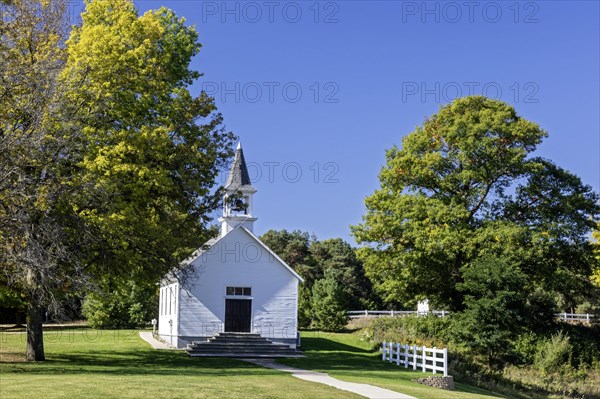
10	298
443	203
338	255
305	310
108	163
329	303
294	248
413	330
151	150
312	259
596	245
540	310
128	305
578	375
553	353
587	308
42	243
494	306
524	348
585	343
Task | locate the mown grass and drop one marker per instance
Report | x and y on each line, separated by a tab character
86	363
346	357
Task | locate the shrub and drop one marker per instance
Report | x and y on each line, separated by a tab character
494	307
128	305
540	310
412	330
587	307
585	343
553	353
329	303
524	348
305	312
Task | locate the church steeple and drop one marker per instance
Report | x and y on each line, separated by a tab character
238	173
237	201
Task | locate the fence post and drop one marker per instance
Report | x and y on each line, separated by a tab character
397	353
423	358
405	356
389	352
587	317
366	312
434	355
383	351
414	349
392	313
445	362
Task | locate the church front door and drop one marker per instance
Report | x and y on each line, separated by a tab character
238	315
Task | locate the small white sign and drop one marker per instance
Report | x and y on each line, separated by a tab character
423	306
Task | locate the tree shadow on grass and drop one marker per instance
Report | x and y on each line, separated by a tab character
326	354
310	344
141	362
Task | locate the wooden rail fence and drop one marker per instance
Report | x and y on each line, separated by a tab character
585	317
418	357
355	314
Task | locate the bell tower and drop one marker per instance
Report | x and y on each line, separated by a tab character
237	201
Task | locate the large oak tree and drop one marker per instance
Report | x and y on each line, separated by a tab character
464	185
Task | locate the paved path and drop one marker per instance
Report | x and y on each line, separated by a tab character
366	390
156	344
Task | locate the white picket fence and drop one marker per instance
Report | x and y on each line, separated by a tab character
585	317
418	357
355	314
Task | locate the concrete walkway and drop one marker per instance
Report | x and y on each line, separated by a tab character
366	390
156	344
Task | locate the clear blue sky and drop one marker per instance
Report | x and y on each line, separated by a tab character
369	72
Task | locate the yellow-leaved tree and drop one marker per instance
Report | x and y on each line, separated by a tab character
108	163
596	244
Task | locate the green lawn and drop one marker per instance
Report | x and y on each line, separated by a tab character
85	363
346	357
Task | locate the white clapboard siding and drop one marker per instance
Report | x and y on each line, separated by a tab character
418	358
168	314
238	260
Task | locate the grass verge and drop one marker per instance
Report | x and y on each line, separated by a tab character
346	357
94	364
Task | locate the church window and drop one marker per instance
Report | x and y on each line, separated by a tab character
239	291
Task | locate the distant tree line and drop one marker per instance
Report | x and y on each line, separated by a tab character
334	278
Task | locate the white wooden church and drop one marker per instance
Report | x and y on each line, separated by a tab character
238	284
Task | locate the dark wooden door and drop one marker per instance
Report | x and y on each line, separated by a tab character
238	314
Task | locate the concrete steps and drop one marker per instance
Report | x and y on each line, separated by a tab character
240	345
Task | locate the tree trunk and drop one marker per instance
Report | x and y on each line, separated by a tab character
35	336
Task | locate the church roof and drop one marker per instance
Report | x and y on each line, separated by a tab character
210	243
238	178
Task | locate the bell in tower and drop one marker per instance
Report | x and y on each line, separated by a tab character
237	201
